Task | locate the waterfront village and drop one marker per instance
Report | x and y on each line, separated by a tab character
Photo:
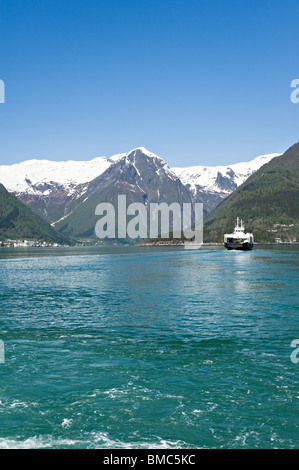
26	244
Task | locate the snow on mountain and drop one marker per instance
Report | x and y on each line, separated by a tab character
139	175
222	180
49	188
54	189
137	158
33	176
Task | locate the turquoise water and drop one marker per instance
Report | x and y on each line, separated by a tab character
149	348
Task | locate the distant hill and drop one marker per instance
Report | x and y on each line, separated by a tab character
17	221
267	202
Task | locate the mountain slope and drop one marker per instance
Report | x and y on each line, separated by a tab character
211	185
54	189
19	222
49	188
140	175
267	202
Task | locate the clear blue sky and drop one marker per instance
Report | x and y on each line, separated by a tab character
195	81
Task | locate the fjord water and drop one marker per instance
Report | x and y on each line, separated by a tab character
149	347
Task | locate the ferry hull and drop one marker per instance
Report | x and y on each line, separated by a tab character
238	246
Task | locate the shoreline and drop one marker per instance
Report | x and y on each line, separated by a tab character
212	244
160	244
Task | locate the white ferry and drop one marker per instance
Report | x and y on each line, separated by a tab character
238	240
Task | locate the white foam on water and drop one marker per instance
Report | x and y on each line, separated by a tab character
100	440
36	442
103	439
66	423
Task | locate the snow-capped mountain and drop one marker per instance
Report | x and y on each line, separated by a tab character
32	176
51	188
54	189
210	184
139	175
